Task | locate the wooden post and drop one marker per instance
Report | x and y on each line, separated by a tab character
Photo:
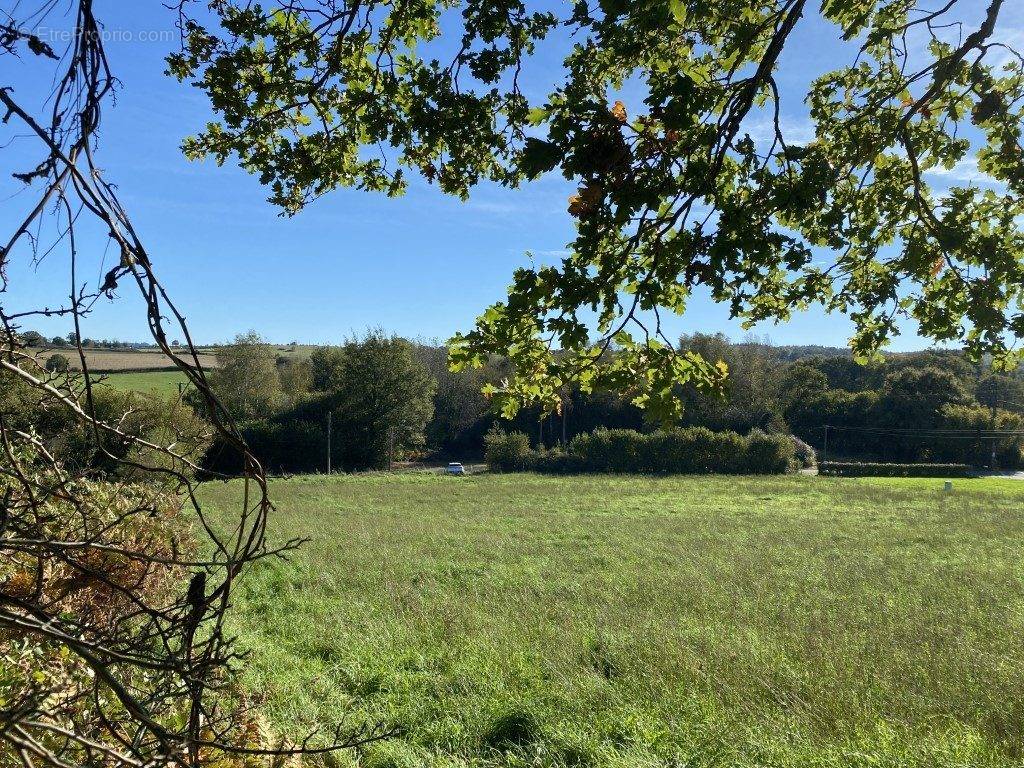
329	442
995	406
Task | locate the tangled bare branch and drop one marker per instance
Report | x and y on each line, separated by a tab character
114	582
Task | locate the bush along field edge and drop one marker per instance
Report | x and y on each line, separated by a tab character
691	451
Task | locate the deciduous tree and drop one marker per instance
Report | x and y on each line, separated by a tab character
674	189
383	403
58	363
246	379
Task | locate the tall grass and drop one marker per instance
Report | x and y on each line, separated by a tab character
620	621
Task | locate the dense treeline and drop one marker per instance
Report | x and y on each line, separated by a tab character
916	407
926	408
70	341
390	399
376	393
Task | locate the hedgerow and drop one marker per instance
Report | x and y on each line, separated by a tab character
694	450
868	469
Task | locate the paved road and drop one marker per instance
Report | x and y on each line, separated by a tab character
1009	475
401	466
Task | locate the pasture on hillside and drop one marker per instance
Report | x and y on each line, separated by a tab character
520	620
150	382
116	360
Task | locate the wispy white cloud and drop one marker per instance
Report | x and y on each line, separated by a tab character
795	130
1006	39
491	206
1010	47
966	170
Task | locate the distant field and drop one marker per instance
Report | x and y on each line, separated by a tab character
299	351
104	360
156	382
518	620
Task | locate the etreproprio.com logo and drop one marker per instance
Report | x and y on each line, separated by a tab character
57	36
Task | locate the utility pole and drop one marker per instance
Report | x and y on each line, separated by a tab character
995	405
391	447
824	449
329	442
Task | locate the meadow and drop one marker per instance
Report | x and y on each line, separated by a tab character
520	620
151	382
116	360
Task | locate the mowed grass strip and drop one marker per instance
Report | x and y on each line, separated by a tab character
514	620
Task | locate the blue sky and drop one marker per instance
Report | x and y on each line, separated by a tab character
422	266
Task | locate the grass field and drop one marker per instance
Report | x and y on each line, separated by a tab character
154	382
520	620
105	360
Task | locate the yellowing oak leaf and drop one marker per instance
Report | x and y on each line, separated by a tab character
587	200
619	111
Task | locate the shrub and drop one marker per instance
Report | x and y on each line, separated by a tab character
289	446
690	451
151	417
615	450
58	363
695	450
86	559
803	453
859	469
507	451
768	454
724	452
556	462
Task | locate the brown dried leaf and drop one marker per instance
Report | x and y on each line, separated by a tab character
619	112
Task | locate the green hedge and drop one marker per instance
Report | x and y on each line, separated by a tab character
695	450
508	451
858	469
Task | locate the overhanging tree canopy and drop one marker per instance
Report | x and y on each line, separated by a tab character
673	193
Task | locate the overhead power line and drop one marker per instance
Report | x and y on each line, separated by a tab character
952	433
